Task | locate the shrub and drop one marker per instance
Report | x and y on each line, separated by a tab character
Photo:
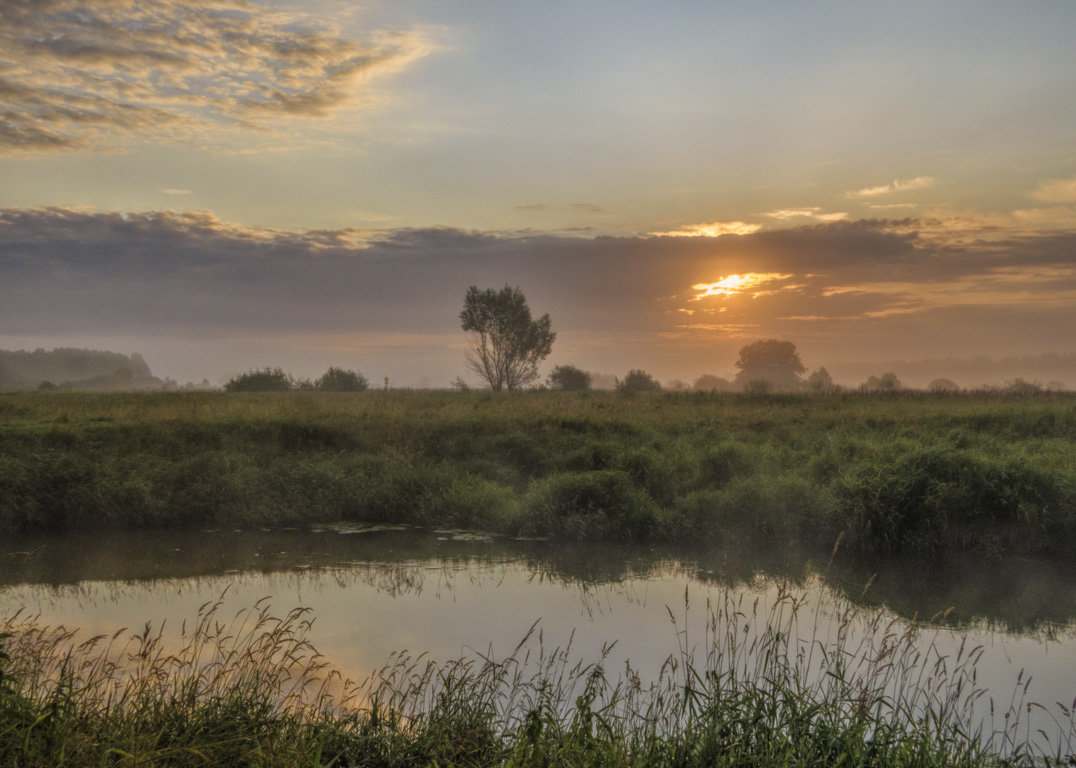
339	380
943	387
710	383
588	505
569	378
925	498
887	383
638	381
721	463
1022	387
262	380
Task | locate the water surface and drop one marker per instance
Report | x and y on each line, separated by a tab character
374	592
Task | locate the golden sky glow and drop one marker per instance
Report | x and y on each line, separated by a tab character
713	229
735	284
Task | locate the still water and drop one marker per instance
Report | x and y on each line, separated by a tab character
377	591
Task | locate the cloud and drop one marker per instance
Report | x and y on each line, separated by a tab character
83	75
578	207
812	212
847	288
897	185
590	208
1056	191
171	191
713	229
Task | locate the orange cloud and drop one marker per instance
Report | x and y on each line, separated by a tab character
810	212
897	185
734	284
1056	191
713	229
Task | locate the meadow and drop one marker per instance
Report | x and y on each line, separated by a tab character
882	473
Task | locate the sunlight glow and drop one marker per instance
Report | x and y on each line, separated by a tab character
713	229
735	284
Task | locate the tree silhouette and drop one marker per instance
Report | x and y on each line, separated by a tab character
506	344
773	361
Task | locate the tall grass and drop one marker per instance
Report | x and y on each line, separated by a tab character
764	687
904	472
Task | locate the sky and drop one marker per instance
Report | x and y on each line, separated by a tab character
223	185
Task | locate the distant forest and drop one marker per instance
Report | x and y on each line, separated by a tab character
69	368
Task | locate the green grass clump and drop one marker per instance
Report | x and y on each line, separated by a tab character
901	472
252	691
604	504
930	498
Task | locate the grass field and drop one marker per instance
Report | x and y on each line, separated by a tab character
886	473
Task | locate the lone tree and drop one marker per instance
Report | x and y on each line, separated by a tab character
569	378
506	344
773	361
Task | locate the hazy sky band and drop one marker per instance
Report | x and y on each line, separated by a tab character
908	170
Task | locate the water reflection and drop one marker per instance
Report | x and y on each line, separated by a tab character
375	593
1014	595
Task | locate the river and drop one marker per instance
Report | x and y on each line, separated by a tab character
377	591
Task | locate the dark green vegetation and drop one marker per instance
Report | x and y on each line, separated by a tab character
901	472
638	380
276	380
253	692
569	379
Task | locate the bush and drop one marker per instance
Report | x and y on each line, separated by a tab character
943	387
569	378
925	498
1022	387
588	505
710	383
339	380
263	380
638	381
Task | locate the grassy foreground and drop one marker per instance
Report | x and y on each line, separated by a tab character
252	691
888	473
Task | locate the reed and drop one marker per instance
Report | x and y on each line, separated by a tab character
777	686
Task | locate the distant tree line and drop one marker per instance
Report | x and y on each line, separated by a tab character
69	368
276	380
506	345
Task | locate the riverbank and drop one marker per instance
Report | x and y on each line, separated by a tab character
906	472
